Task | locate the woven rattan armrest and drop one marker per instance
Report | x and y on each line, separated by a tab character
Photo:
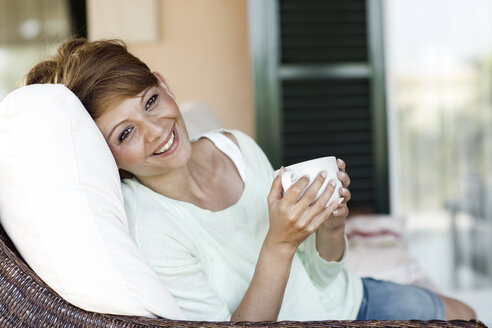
26	301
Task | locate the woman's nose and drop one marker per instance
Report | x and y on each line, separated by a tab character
154	129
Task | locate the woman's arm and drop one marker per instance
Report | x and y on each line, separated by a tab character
291	222
330	237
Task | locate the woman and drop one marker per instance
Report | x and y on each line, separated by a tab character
224	240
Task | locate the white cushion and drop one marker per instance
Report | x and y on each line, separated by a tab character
61	204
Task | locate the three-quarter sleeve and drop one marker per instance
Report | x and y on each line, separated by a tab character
321	272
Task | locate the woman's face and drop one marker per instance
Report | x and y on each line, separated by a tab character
147	134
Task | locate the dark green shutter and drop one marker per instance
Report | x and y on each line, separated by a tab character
329	114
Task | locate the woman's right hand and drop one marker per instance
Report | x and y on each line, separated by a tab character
293	219
291	222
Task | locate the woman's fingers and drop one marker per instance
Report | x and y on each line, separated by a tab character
341	164
326	213
312	191
297	210
344	178
345	193
341	174
342	211
319	212
292	194
323	199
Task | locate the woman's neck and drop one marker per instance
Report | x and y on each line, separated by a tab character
193	181
209	180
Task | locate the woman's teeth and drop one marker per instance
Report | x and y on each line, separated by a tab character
166	146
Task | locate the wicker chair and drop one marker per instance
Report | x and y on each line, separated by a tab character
26	301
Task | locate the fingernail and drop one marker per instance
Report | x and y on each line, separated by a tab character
342	174
323	174
343	190
340	200
340	161
335	212
333	183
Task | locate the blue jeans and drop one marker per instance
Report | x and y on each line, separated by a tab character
384	300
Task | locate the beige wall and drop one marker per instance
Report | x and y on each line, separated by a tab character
201	48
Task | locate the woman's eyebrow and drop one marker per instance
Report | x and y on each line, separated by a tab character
114	128
142	97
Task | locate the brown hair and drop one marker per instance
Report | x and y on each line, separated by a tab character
100	73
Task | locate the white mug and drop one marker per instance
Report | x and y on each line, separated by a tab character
311	169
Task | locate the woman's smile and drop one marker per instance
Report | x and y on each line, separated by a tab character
169	145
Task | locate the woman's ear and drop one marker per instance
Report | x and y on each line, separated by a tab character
163	83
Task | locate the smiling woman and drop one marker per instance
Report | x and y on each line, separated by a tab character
226	241
146	133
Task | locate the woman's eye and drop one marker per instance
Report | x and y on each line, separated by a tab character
151	101
126	132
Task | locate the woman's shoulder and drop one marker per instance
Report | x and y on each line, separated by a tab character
236	134
250	150
232	137
232	134
240	138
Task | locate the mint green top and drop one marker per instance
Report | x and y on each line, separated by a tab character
207	259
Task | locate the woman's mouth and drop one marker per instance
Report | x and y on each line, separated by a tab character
167	146
170	145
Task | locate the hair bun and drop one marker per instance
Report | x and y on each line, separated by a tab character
43	72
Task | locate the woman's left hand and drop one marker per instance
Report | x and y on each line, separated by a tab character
330	241
337	220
